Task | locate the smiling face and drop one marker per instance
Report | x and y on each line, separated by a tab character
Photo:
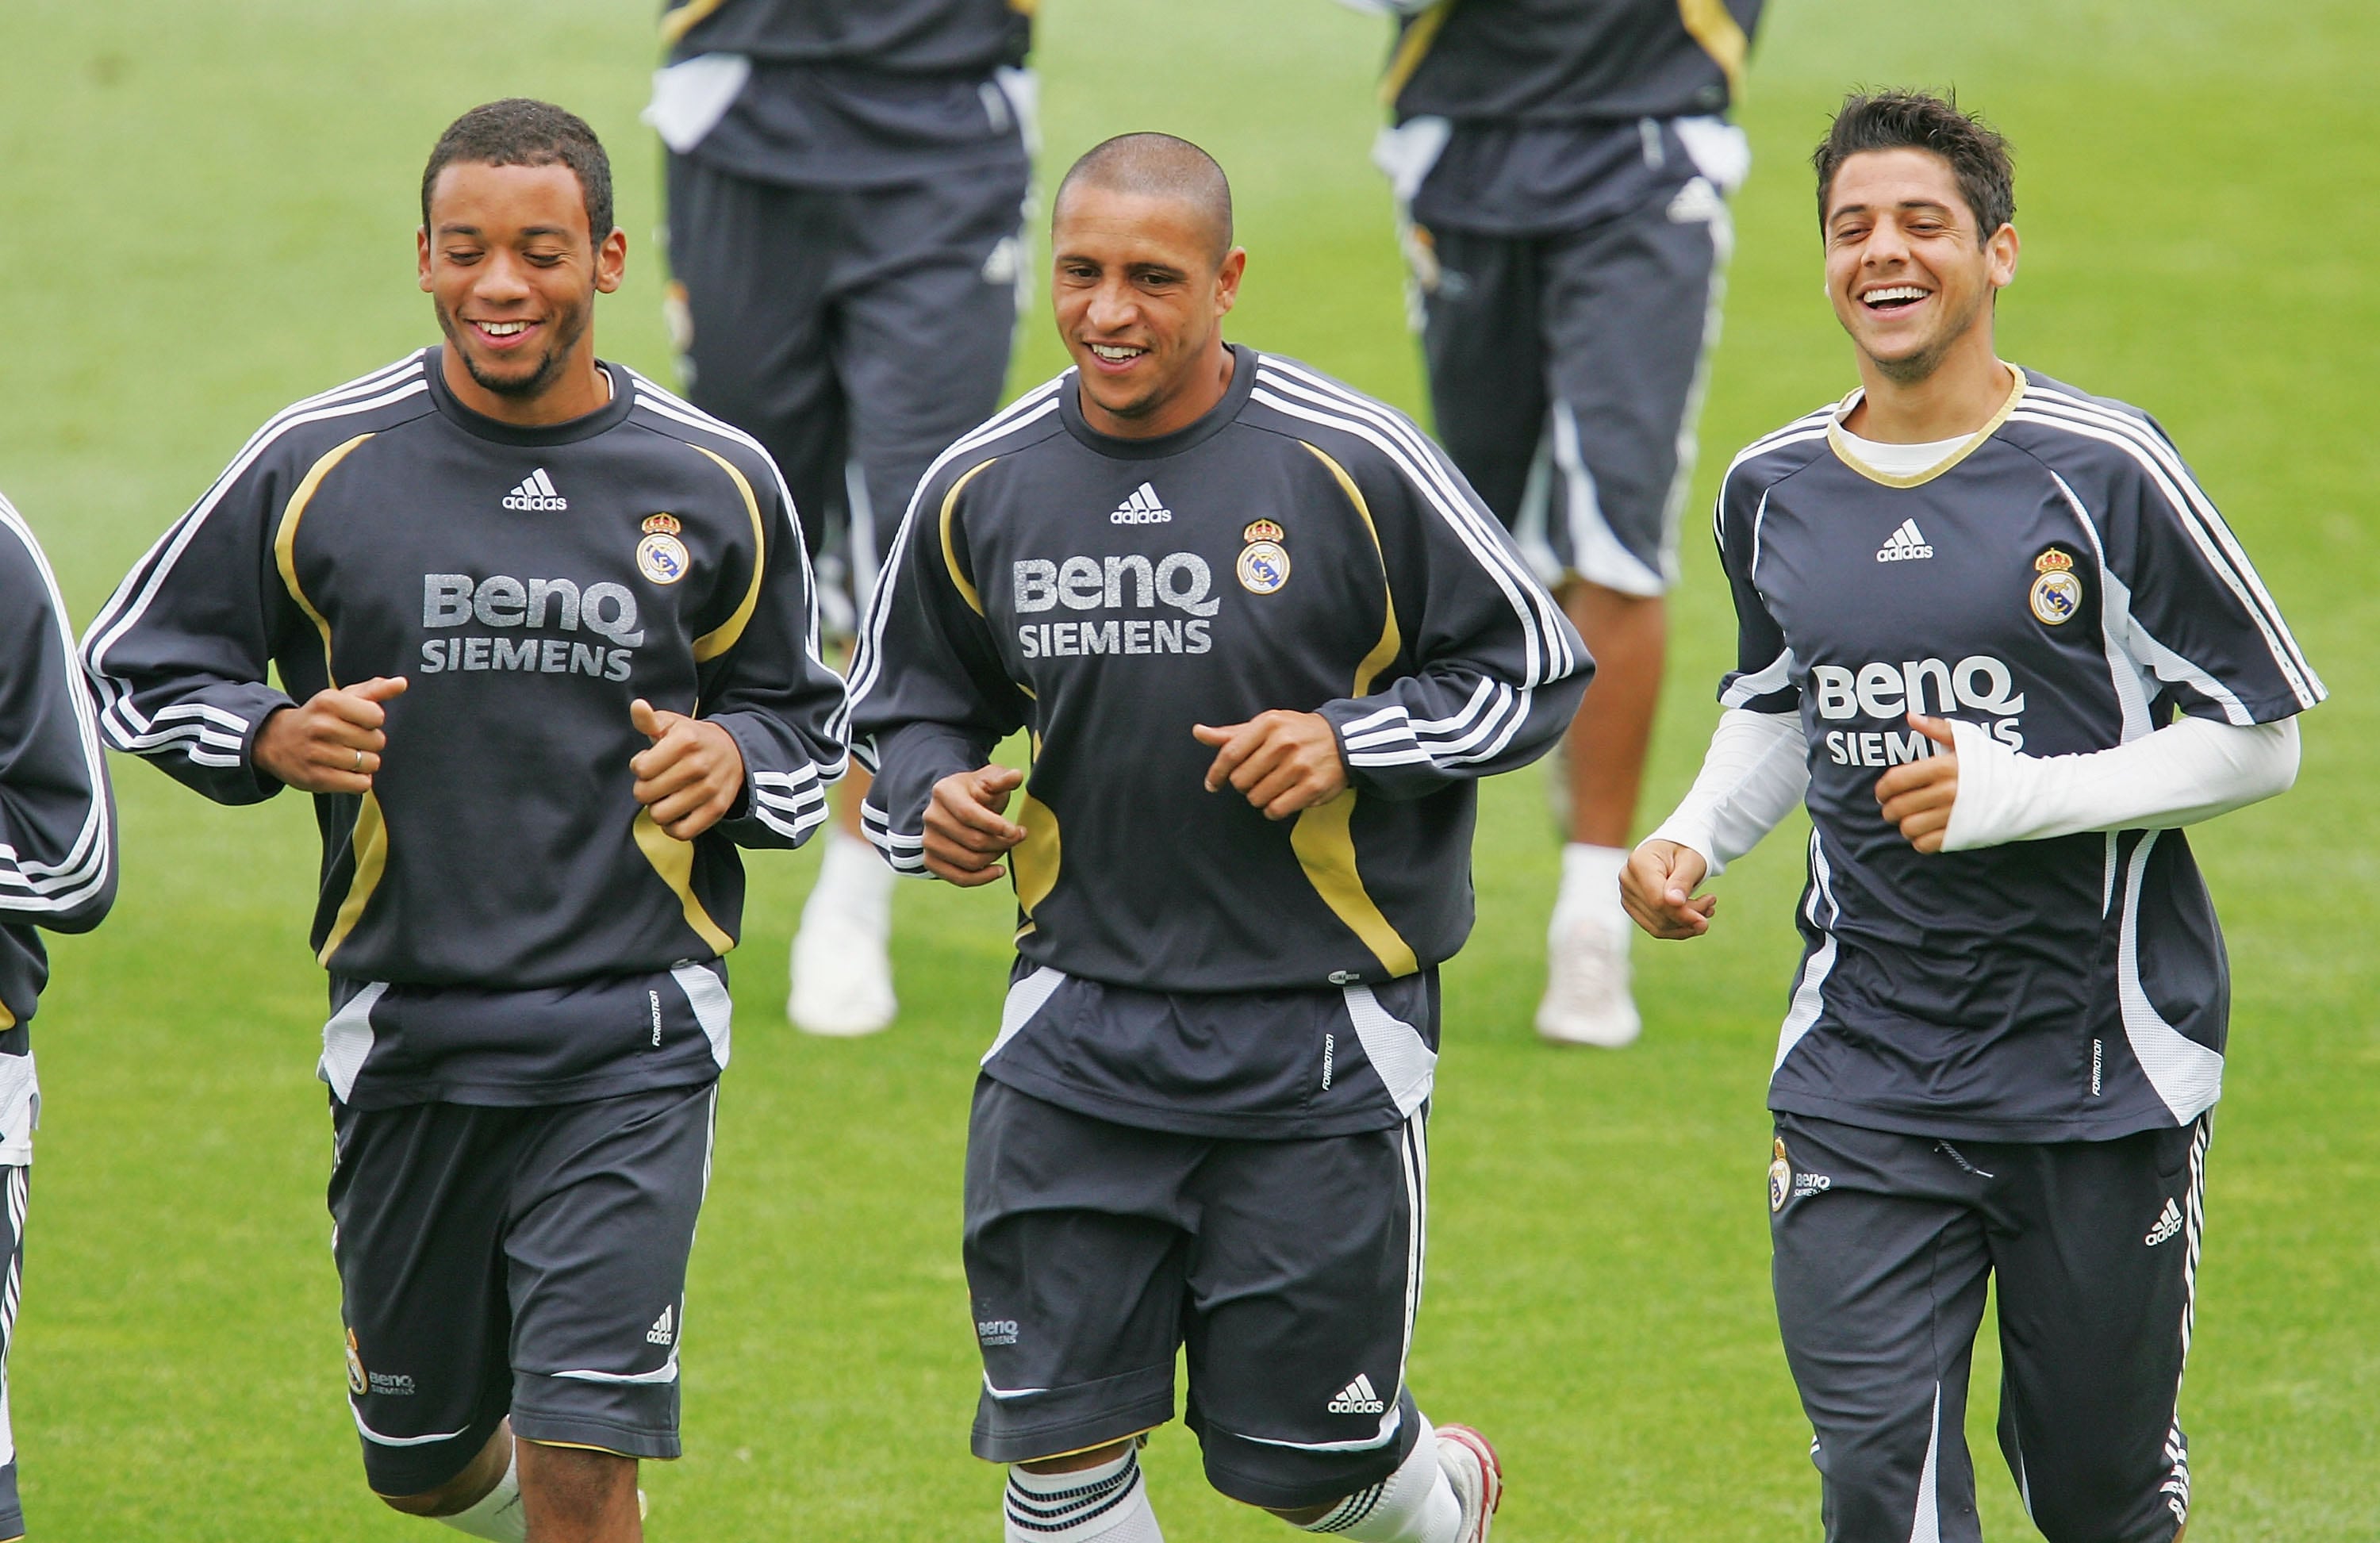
1140	297
513	271
1911	277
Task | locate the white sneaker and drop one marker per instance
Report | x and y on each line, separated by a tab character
1471	1467
1587	1001
843	976
842	966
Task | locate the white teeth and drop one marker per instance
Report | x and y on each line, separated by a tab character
1905	292
1115	355
502	329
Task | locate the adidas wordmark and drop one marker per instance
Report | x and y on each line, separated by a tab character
2168	1224
536	492
1904	545
1144	507
1357	1398
664	1329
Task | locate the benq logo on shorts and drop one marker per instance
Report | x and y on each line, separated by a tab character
996	1330
1357	1398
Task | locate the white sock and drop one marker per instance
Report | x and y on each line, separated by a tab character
498	1514
1415	1504
1590	884
1109	1503
853	882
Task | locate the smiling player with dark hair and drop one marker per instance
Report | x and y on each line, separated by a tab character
1265	641
1995	634
548	656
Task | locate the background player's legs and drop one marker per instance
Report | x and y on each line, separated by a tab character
1880	1277
923	289
752	262
17	1181
1630	308
2095	1272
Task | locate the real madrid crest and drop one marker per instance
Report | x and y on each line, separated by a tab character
1264	562
357	1382
661	556
2056	593
1780	1177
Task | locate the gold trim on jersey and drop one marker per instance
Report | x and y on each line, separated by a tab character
1715	28
676	24
1850	457
711	644
8	1020
1411	50
1326	849
1033	862
1323	836
968	591
673	860
368	849
285	543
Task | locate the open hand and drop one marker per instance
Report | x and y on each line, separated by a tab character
1657	888
689	776
333	744
1282	762
1917	796
966	828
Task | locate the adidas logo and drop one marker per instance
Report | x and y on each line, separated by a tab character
2169	1222
536	492
1904	545
1357	1398
664	1329
1144	507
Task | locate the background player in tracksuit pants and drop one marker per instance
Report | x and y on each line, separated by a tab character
547	657
1265	640
57	871
1561	168
1996	636
846	190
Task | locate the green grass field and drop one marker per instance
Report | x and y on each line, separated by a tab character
206	211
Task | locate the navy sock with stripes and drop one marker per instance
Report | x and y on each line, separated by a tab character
1108	1503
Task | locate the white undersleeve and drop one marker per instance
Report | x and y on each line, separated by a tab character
1754	771
2187	771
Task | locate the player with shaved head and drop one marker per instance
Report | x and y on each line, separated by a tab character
1264	640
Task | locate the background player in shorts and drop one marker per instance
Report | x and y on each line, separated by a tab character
1995	633
1264	640
1562	168
57	871
846	188
550	656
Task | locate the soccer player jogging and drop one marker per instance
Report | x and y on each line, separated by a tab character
547	657
1265	640
847	186
1562	168
1994	633
57	871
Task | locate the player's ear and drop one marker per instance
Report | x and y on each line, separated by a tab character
422	256
611	261
2000	250
1226	280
